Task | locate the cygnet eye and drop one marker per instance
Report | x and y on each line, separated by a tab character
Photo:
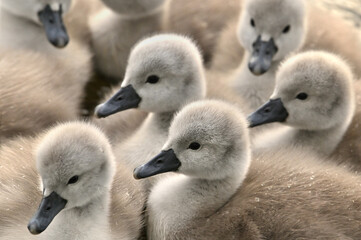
152	79
73	179
302	96
253	24
194	146
286	29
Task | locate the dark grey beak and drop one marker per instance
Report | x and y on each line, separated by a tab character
49	207
124	99
54	26
166	161
272	111
261	59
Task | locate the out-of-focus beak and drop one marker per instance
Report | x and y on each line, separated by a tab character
262	55
54	26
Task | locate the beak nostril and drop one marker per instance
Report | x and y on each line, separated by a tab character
267	110
119	98
48	208
160	161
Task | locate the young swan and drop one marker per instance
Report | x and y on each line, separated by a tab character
181	80
77	167
269	30
220	195
314	95
21	30
22	27
164	73
32	17
116	29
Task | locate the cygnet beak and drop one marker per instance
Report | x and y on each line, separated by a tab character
49	207
54	26
262	55
272	111
166	161
124	99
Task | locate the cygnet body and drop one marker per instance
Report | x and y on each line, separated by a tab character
314	96
219	193
36	93
348	150
80	199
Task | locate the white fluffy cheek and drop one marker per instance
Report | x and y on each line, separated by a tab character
150	102
284	45
78	197
200	164
293	113
246	38
191	164
306	119
246	34
288	43
126	81
160	99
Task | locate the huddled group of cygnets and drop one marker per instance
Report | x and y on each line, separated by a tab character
235	119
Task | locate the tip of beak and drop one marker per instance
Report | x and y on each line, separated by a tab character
135	173
60	42
251	125
97	111
33	228
250	122
257	70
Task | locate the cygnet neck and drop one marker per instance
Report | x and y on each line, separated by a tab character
322	141
181	199
161	120
257	89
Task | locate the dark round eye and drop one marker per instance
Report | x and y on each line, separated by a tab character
253	24
286	29
152	79
302	96
194	146
73	179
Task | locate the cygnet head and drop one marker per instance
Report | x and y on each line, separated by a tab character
271	29
76	166
207	140
314	91
47	13
135	9
164	72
